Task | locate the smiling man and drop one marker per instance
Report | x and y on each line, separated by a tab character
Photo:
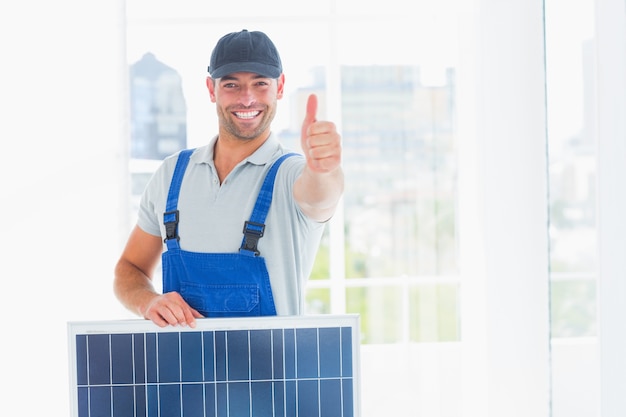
237	222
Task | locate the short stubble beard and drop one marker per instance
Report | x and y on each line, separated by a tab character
227	122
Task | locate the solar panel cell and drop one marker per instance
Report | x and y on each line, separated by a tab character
191	356
330	390
122	359
306	353
261	355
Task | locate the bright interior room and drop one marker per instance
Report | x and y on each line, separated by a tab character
480	236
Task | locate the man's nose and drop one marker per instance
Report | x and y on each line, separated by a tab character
246	96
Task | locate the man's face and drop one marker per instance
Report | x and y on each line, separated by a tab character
246	103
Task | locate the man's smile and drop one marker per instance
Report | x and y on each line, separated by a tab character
247	114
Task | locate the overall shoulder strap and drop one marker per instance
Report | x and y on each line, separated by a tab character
254	228
170	217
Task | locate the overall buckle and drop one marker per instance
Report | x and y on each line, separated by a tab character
171	225
252	232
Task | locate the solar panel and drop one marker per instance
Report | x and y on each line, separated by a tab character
296	366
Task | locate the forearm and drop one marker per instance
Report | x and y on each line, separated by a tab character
133	287
318	194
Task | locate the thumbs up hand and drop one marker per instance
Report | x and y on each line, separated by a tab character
320	186
320	141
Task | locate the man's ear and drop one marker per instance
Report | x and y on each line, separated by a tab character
281	86
210	83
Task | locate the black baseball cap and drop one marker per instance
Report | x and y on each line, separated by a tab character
245	52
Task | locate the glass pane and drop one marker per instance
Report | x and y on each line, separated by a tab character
398	131
572	158
318	301
185	46
381	311
573	308
322	260
433	313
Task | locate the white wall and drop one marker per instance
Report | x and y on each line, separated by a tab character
611	111
62	161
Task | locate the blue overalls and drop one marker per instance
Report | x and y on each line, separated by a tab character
220	284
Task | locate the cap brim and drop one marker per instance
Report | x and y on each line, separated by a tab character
269	71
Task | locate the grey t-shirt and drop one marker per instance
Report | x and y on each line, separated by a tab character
212	215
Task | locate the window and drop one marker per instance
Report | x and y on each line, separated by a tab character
396	112
389	82
462	141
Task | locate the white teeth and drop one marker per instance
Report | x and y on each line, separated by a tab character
247	114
